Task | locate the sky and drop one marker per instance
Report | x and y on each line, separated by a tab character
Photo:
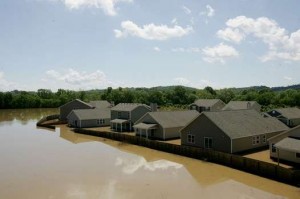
95	44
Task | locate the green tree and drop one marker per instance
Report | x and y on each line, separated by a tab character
226	95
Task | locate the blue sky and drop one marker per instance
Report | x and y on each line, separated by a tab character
88	44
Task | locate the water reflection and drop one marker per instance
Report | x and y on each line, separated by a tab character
24	115
67	134
130	166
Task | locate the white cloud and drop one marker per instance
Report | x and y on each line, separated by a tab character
108	6
219	53
189	50
186	10
287	78
230	34
77	79
209	12
174	21
281	44
157	49
6	85
151	31
182	81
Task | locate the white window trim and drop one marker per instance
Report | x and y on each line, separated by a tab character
256	138
264	138
208	138
192	138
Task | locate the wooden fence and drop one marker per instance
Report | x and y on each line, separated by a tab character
264	169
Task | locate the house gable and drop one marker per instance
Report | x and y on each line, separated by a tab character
73	105
201	128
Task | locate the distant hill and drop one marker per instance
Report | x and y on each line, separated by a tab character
282	88
166	88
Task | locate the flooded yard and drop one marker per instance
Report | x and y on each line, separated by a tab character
40	163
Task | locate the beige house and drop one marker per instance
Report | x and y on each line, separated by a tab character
289	116
83	118
231	131
286	145
124	115
207	105
65	109
163	125
242	105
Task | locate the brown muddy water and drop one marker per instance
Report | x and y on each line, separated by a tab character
39	163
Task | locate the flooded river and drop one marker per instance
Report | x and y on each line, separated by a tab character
40	163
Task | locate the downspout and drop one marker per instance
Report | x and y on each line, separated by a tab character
130	120
164	133
231	145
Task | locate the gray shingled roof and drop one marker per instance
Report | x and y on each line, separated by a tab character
145	126
89	114
78	100
238	105
100	104
293	132
170	119
290	113
206	102
128	107
244	123
289	144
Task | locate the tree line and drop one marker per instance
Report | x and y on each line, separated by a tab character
173	96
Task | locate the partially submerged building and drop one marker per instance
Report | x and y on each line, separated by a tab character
207	105
84	118
242	105
286	146
289	116
124	115
163	125
65	109
231	131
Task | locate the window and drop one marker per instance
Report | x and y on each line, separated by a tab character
255	140
297	155
191	138
152	132
273	148
201	109
207	142
264	139
119	115
100	121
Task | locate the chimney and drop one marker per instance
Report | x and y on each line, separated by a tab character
153	107
112	103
